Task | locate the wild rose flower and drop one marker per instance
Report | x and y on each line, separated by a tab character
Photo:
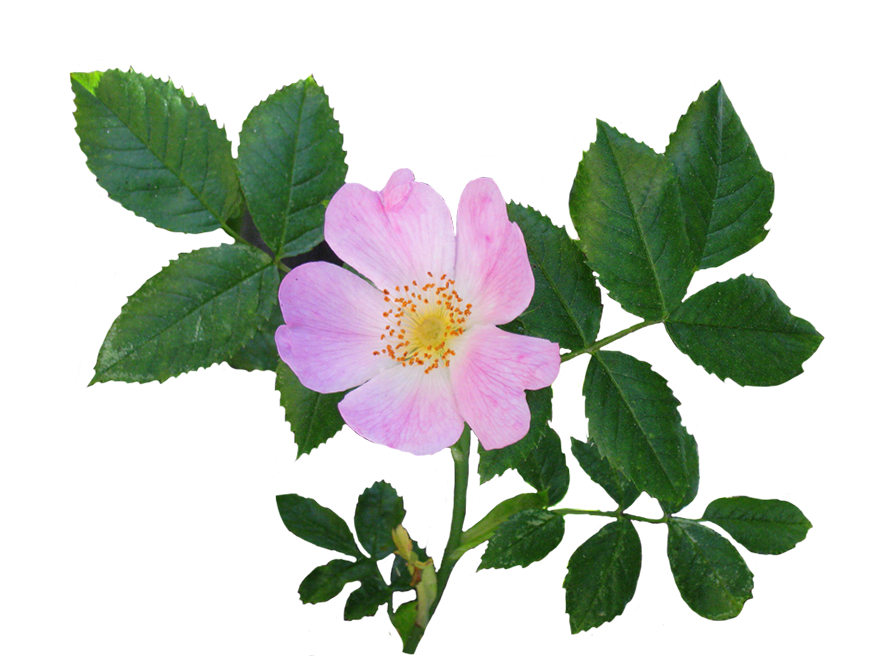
421	346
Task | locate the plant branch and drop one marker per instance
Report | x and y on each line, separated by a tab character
596	346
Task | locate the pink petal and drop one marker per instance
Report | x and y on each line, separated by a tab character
490	371
395	236
492	269
405	408
333	324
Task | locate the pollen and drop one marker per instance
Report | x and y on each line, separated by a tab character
423	323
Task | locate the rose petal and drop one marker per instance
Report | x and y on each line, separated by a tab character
405	408
492	269
395	236
490	371
333	324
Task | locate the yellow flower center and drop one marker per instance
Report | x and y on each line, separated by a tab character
422	321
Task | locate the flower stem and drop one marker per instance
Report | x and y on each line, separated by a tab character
460	455
596	346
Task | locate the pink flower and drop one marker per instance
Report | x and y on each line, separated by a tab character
421	346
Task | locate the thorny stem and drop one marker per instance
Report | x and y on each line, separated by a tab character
596	346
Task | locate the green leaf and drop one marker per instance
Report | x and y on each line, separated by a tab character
626	209
727	194
602	576
496	462
326	581
379	511
603	474
313	417
404	618
526	537
199	310
291	162
566	307
709	572
316	524
633	420
690	447
740	329
365	600
156	151
545	469
764	526
260	352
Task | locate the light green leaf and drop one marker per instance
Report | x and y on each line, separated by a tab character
740	329
566	306
404	618
764	526
326	581
633	420
379	511
727	194
197	311
709	572
365	600
526	537
595	465
496	462
291	163
313	417
626	209
602	576
156	151
316	524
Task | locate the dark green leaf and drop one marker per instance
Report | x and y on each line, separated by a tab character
603	474
626	209
764	526
602	576
566	306
403	619
365	600
496	462
260	352
197	311
739	329
691	449
326	581
401	579
526	537
709	572
545	469
156	151
633	420
313	417
318	525
379	511
727	194
291	161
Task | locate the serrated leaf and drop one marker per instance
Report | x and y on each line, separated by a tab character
365	600
156	151
709	572
690	447
727	194
524	538
291	162
740	329
496	462
633	420
626	209
595	465
566	307
313	417
316	524
379	511
764	526
602	576
260	352
544	468
327	581
197	311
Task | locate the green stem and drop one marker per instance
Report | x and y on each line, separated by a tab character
460	455
596	346
241	239
609	513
